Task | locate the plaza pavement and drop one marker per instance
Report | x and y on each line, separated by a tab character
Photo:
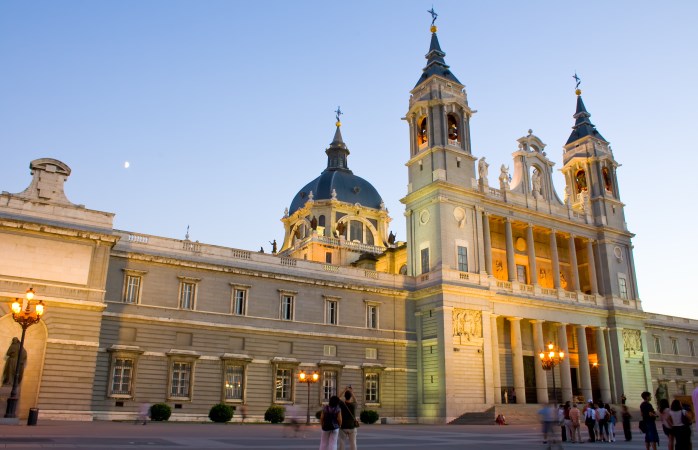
202	436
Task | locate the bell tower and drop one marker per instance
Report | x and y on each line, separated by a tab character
440	166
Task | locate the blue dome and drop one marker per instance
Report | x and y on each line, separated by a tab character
349	188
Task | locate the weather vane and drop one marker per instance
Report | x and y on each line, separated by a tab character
338	113
577	79
433	15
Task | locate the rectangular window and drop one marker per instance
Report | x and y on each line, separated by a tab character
356	229
371	353
372	316
695	372
233	381
521	274
657	344
287	307
462	259
328	257
425	260
622	288
371	387
186	295
239	302
661	371
181	377
675	346
331	312
679	372
283	385
692	347
329	384
681	387
133	289
122	374
329	350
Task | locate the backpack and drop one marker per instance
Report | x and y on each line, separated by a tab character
329	419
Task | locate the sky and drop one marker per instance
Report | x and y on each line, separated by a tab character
224	109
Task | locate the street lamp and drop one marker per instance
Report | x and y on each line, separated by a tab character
308	379
549	360
25	317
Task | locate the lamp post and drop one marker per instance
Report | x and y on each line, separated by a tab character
549	360
25	317
308	379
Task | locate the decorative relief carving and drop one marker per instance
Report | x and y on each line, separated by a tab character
467	323
632	341
459	215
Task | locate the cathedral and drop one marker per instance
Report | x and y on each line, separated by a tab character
497	268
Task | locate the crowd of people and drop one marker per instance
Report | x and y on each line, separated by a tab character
600	420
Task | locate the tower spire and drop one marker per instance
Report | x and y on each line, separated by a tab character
582	125
436	64
337	152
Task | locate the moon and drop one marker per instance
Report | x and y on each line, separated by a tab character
127	165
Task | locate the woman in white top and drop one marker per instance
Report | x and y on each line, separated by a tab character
681	432
602	420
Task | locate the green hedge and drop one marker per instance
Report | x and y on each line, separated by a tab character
221	413
368	416
275	414
160	412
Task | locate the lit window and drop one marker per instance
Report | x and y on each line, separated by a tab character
181	379
371	385
331	312
283	384
462	259
329	384
371	316
121	377
287	307
234	379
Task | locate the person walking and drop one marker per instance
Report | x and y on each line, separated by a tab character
612	419
626	417
331	421
649	417
602	422
348	430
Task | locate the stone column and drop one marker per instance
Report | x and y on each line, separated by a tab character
584	374
555	259
565	373
511	264
574	270
517	360
604	380
530	244
541	376
592	268
496	373
488	243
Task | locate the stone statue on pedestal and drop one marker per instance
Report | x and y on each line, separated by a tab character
11	357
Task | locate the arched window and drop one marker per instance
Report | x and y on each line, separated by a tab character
356	231
580	181
321	221
422	131
453	129
608	184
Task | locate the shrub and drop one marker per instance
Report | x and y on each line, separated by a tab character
160	412
220	413
368	416
275	414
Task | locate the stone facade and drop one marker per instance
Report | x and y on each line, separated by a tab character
449	322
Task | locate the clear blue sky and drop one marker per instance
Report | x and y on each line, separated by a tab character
224	109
